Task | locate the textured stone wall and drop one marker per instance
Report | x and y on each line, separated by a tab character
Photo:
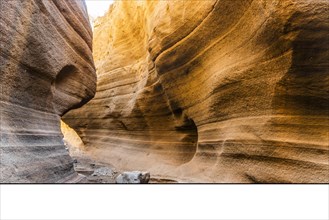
46	69
212	91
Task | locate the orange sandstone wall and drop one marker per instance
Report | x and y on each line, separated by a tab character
212	91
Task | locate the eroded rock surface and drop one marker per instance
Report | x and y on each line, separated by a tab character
46	69
212	91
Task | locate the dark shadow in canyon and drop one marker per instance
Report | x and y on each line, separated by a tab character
63	88
298	93
189	140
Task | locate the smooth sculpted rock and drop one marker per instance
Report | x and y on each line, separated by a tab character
212	91
133	177
46	69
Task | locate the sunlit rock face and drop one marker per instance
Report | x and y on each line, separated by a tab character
72	141
46	69
212	91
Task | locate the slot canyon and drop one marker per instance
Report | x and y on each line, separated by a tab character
202	91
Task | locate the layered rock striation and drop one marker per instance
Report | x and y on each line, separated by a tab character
46	69
212	91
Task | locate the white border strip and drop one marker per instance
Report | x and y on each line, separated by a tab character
96	202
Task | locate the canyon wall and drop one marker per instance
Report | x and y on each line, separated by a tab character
46	69
212	91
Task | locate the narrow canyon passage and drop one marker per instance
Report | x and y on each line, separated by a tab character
216	91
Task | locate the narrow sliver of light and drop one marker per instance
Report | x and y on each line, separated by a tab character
97	8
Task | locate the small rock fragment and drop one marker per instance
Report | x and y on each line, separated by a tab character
103	171
133	177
